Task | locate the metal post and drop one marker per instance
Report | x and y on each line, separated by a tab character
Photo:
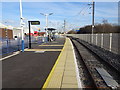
21	22
110	42
85	37
64	25
93	4
46	21
47	27
29	35
102	40
89	38
96	39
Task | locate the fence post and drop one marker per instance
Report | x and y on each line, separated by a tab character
102	40
85	37
91	38
81	36
110	42
96	39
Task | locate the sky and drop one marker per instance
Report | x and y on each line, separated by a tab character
76	14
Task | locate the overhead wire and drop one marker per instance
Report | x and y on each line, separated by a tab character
75	17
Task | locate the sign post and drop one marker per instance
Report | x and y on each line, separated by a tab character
32	23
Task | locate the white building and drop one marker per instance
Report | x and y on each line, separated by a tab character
17	31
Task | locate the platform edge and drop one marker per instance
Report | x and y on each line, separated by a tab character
50	75
76	67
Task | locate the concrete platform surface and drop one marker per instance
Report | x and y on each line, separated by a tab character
63	74
31	68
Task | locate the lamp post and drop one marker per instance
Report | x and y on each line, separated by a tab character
46	15
64	26
93	9
21	25
93	14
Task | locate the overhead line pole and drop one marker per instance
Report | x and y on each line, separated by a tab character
93	10
64	25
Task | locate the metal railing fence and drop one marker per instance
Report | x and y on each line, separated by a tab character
12	45
109	41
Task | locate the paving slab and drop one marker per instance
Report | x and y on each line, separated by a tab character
64	70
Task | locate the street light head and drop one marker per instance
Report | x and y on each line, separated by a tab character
42	14
46	14
50	13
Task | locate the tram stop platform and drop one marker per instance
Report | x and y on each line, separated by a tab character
49	65
63	74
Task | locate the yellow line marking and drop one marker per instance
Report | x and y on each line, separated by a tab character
43	49
51	73
51	45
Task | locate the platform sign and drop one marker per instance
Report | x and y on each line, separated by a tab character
35	22
32	23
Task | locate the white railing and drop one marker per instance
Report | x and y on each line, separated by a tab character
109	41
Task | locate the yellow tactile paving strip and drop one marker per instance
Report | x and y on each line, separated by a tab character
63	74
50	45
43	49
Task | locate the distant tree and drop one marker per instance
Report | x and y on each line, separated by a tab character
85	30
71	32
100	28
105	21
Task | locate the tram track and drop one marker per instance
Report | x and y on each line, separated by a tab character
91	67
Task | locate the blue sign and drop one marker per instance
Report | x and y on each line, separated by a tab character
77	30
